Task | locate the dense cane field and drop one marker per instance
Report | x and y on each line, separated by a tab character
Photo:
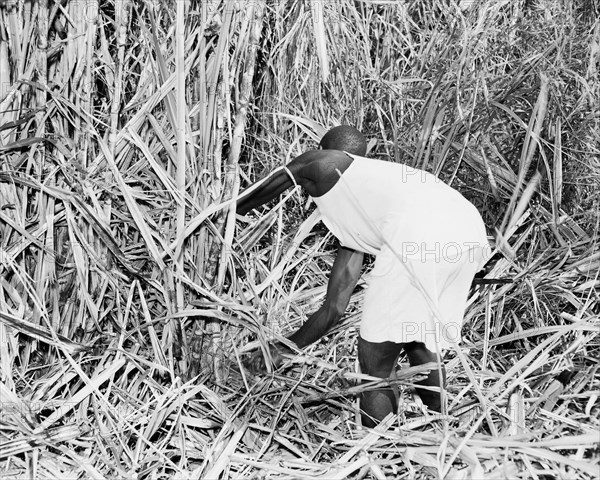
130	292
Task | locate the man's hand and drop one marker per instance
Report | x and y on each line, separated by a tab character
342	280
256	363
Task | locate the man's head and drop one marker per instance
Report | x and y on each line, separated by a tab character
345	138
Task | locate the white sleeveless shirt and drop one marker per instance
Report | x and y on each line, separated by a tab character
377	202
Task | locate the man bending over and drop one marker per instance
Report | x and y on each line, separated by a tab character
428	242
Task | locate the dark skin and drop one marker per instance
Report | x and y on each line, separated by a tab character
317	171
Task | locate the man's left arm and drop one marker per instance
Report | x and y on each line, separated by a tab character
342	281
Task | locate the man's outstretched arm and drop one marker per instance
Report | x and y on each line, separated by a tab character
314	171
342	280
263	191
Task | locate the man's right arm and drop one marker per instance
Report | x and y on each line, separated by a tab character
263	192
316	171
276	183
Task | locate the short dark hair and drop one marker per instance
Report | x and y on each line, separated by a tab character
346	138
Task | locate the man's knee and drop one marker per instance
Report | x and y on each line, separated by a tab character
377	359
418	353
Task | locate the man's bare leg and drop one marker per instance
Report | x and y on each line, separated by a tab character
418	354
377	360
